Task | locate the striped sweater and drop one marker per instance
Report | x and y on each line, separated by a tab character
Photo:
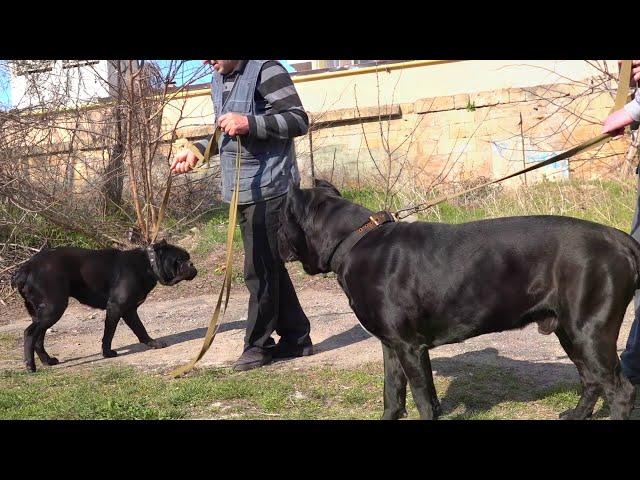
285	117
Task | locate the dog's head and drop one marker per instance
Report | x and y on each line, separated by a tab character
313	222
173	263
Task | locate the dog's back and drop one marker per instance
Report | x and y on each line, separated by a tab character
65	268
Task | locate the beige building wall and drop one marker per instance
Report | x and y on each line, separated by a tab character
424	123
427	122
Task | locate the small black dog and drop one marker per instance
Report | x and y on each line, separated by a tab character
419	285
112	280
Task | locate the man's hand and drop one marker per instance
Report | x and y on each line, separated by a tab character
184	161
234	124
616	122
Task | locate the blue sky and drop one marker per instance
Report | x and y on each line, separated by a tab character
5	92
187	71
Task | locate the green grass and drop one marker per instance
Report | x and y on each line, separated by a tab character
269	393
214	232
607	202
9	346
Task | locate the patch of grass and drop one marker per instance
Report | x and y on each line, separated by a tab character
9	346
607	202
116	393
124	393
214	232
367	196
316	393
36	228
561	397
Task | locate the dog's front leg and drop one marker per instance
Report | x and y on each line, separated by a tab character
395	386
110	324
132	319
417	367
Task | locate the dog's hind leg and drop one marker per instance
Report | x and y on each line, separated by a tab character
604	364
110	324
591	389
29	339
417	367
596	345
132	319
47	314
395	386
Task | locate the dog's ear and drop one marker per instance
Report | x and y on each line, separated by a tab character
160	244
319	183
295	199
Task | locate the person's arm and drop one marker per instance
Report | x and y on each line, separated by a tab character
633	107
628	114
286	118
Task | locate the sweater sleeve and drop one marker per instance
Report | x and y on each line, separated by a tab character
286	118
633	107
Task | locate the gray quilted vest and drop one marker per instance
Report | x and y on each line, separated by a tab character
266	165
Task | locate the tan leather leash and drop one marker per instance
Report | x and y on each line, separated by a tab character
202	160
226	283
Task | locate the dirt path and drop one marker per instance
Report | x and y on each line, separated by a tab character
339	340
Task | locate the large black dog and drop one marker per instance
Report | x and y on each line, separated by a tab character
419	285
113	280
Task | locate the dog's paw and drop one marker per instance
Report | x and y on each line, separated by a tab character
109	353
573	414
53	361
157	344
31	367
393	414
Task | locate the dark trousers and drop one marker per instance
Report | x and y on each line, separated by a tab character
273	303
630	358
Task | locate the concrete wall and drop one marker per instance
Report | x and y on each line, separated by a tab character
425	123
445	121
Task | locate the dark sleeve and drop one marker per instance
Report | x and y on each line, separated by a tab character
286	117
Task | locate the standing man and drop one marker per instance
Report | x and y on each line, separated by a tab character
256	99
614	124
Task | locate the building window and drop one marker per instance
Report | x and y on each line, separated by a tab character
23	67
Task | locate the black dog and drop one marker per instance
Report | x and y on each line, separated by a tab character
113	280
419	285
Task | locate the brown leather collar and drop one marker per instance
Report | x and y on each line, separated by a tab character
376	219
345	246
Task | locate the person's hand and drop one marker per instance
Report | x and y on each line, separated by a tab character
616	122
184	161
234	124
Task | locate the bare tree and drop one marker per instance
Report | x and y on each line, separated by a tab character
87	154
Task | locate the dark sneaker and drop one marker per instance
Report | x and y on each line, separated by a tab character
287	350
251	358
